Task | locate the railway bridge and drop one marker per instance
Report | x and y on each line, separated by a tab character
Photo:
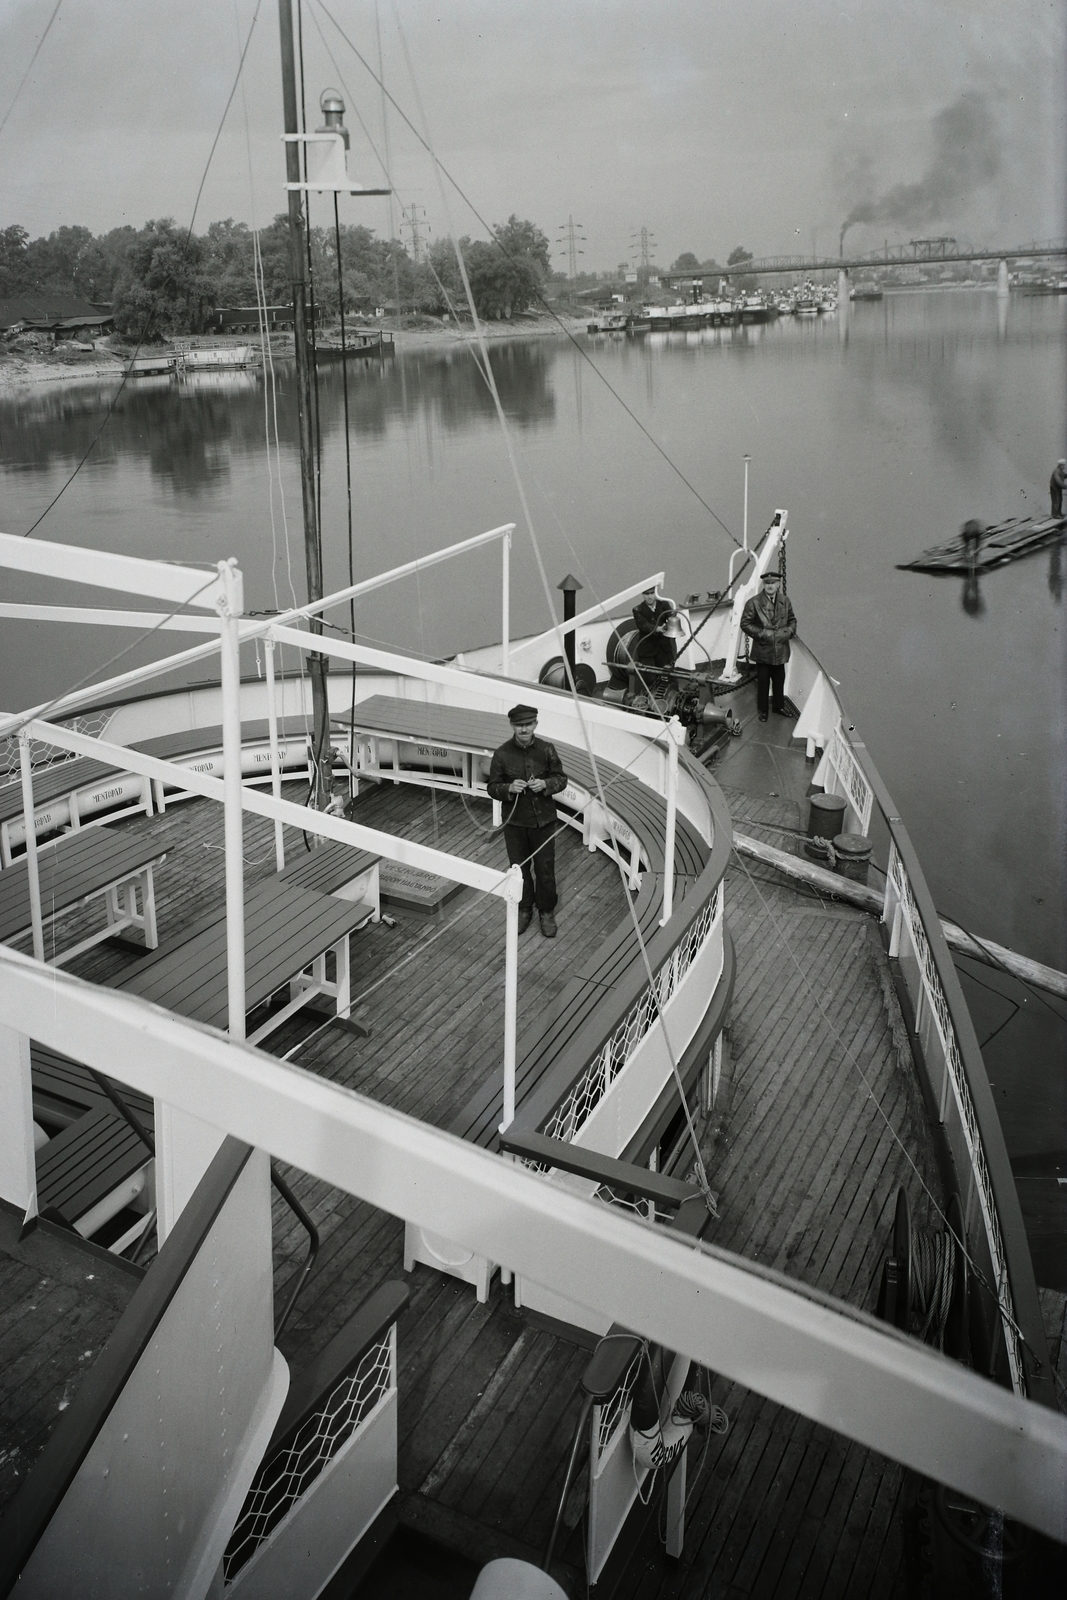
916	252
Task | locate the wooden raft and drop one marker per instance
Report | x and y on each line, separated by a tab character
1002	542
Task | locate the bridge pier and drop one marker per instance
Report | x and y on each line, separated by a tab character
1002	280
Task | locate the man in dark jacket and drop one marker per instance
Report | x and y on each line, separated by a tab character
1056	485
653	649
769	621
524	774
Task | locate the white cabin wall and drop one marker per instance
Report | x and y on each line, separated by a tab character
18	1180
153	1503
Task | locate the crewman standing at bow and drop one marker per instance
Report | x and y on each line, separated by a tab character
770	623
524	774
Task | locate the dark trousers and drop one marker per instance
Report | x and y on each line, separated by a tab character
773	678
1056	496
654	650
534	850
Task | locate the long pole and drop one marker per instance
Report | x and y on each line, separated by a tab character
348	482
505	605
233	807
744	534
275	760
317	664
32	877
673	729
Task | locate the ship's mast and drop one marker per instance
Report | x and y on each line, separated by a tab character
317	664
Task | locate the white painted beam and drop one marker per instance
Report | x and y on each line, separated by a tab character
100	617
120	756
497	691
182	586
797	1347
592	613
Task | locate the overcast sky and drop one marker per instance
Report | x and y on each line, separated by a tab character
710	122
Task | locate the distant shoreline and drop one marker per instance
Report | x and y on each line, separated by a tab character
25	371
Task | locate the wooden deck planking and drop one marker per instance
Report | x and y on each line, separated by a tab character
795	1104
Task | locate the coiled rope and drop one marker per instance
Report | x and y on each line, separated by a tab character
933	1274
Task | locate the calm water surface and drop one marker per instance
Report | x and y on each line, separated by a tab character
880	437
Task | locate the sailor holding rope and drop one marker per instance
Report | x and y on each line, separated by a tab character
524	774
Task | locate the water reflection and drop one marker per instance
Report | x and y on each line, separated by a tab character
1055	576
971	595
190	431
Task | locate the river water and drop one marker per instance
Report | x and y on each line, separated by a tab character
880	433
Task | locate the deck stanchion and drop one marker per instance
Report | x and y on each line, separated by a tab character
675	733
275	761
511	991
26	773
505	610
230	606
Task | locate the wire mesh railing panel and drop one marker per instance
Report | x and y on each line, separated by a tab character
45	756
282	1480
590	1088
614	1413
936	1001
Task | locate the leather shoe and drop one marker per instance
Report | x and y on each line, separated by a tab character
548	925
763	716
525	918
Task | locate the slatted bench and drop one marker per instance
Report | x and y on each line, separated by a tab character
56	789
287	930
340	870
452	747
206	743
77	868
70	794
91	1171
64	1090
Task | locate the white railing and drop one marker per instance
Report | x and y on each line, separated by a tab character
851	781
908	942
43	755
611	1059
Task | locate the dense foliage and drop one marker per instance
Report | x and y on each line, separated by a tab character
162	280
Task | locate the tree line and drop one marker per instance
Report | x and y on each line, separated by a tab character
162	280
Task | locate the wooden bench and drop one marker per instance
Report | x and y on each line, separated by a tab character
337	869
77	868
91	1171
288	930
64	1090
55	800
206	743
71	794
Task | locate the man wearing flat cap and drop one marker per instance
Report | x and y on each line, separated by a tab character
769	621
653	648
524	774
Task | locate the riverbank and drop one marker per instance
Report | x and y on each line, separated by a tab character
30	368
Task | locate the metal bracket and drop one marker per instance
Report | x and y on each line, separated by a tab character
326	165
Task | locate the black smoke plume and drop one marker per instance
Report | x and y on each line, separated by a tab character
965	155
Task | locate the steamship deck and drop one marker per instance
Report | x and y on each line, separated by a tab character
798	1152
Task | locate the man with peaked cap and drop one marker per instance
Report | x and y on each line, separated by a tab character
524	774
653	648
770	623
